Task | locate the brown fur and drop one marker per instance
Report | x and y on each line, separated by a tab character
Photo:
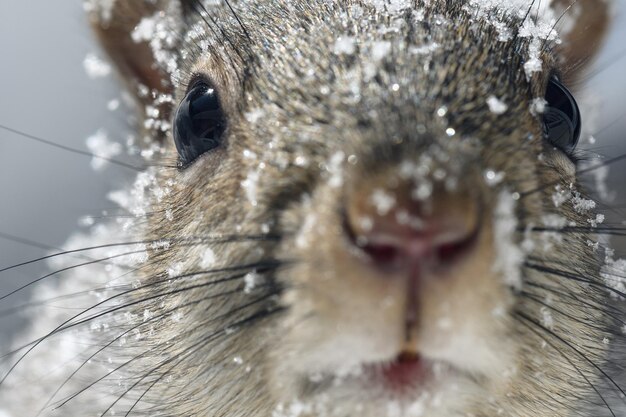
327	285
286	94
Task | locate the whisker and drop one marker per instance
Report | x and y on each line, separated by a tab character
573	277
73	150
256	267
215	239
581	172
610	125
520	317
573	348
76	394
16	239
69	268
600	230
47	302
199	8
602	67
538	10
110	343
527	15
534	298
607	309
191	349
556	23
243	27
253	318
69	323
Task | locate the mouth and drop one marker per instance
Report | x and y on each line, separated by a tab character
407	374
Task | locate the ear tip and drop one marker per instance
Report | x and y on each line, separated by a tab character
114	22
100	12
588	22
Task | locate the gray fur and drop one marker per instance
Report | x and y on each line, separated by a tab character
289	97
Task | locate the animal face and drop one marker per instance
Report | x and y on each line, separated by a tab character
395	153
357	208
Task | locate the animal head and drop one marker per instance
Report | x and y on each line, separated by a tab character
367	210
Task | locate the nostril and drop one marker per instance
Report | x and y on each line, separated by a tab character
449	252
413	248
384	255
443	238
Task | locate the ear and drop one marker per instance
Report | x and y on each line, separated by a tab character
583	27
128	31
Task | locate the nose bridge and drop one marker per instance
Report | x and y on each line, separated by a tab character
412	196
416	153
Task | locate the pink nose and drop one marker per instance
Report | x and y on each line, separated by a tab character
435	233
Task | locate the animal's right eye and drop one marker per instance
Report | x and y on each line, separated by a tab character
199	123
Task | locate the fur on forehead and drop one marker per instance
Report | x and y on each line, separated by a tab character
293	39
379	54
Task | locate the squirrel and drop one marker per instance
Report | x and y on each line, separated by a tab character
350	208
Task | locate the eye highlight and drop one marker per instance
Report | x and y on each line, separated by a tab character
199	123
561	119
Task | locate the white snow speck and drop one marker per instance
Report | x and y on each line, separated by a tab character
382	201
493	178
365	223
102	148
160	32
380	49
303	239
538	106
496	105
345	45
509	256
253	116
425	49
251	281
103	8
208	258
175	270
614	275
145	30
554	221
335	169
96	67
599	172
534	63
546	318
422	191
599	219
301	161
560	196
582	205
86	221
391	6
250	185
113	105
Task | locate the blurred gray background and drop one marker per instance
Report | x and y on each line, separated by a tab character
46	92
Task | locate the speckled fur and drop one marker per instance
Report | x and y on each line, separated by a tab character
287	95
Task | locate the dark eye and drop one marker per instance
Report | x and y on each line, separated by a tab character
561	119
199	123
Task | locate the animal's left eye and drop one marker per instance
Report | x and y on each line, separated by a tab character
199	123
561	119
